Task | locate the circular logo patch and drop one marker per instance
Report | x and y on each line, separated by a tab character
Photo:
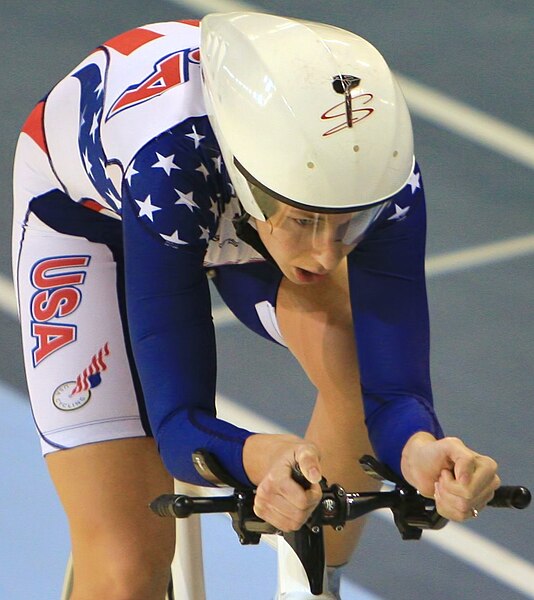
63	399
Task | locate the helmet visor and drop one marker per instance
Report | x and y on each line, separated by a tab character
311	229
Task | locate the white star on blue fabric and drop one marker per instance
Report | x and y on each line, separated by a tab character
166	163
217	161
202	169
400	213
196	137
186	200
82	119
174	238
214	208
87	162
146	208
94	125
205	235
99	89
413	182
131	172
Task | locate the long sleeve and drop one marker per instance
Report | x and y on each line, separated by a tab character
166	224
390	313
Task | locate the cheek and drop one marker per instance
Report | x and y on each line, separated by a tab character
284	250
275	246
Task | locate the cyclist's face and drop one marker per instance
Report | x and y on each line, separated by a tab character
306	246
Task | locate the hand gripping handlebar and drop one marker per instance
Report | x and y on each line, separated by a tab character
412	512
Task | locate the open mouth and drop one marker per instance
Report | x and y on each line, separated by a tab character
304	276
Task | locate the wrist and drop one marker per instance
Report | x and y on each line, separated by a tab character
262	449
410	451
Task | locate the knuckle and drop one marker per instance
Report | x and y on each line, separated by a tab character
269	484
260	511
262	491
488	462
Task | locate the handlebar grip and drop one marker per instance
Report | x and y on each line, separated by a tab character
510	496
180	506
170	505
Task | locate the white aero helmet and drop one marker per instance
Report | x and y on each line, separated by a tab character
307	113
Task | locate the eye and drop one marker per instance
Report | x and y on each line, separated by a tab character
303	222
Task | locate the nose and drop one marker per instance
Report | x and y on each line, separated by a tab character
329	255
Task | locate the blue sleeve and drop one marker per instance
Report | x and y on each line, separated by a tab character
390	314
169	314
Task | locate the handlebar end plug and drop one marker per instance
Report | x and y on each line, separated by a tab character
170	505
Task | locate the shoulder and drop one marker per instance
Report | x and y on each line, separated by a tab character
178	185
406	202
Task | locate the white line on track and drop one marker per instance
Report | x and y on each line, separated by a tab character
477	256
426	103
456	540
468	122
8	303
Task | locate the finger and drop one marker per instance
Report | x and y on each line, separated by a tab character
286	507
450	486
279	489
482	480
457	507
486	494
450	506
449	503
308	459
283	520
464	468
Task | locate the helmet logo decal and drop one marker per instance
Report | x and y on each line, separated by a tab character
353	107
344	84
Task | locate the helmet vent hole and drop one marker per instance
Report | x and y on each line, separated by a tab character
356	148
311	165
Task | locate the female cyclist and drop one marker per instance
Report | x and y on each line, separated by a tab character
275	155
